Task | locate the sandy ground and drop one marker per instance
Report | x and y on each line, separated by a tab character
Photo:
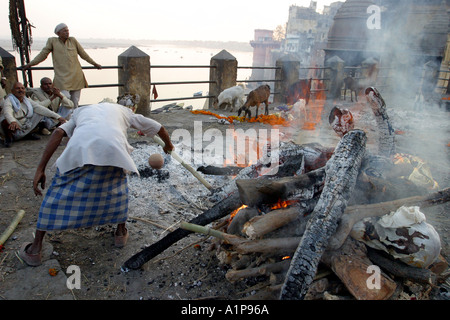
188	270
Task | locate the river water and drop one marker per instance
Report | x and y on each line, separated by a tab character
165	54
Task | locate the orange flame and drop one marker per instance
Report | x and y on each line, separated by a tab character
234	213
282	204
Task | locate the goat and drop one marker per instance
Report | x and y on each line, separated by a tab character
299	90
255	98
229	97
353	85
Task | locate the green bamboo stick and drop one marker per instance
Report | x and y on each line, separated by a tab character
5	235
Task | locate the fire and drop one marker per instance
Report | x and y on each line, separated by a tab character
285	258
234	213
282	204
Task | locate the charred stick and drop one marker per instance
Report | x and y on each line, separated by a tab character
256	192
400	269
218	211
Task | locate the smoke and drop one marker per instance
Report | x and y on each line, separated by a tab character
411	42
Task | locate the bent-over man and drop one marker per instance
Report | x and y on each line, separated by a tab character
90	184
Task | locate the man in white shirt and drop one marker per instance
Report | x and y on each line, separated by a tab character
20	115
52	98
90	185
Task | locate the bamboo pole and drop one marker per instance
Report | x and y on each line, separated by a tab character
229	238
7	233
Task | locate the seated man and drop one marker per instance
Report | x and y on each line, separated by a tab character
20	116
52	98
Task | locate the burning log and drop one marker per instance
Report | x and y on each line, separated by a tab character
341	173
259	226
256	192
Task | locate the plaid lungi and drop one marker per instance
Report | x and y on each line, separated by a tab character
85	197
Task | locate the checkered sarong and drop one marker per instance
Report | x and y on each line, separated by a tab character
85	197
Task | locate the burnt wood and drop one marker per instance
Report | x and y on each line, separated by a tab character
218	211
341	173
254	192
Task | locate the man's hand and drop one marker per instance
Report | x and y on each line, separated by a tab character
62	120
39	178
56	93
99	67
13	126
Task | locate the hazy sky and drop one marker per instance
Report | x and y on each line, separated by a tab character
230	20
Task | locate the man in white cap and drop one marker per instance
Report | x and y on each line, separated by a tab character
69	76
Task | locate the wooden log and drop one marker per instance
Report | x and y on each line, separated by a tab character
341	173
243	216
266	269
278	246
356	213
351	264
400	269
259	226
265	191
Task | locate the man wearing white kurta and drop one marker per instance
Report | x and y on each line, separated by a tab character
20	115
90	185
51	98
68	73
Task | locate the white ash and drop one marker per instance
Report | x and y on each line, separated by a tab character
179	197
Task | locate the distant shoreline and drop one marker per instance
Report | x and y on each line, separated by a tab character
39	43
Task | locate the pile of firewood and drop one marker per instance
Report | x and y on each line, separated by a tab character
292	233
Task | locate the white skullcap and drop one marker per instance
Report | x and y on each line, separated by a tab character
59	27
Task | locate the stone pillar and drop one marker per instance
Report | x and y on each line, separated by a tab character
336	75
288	71
224	72
9	71
135	77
